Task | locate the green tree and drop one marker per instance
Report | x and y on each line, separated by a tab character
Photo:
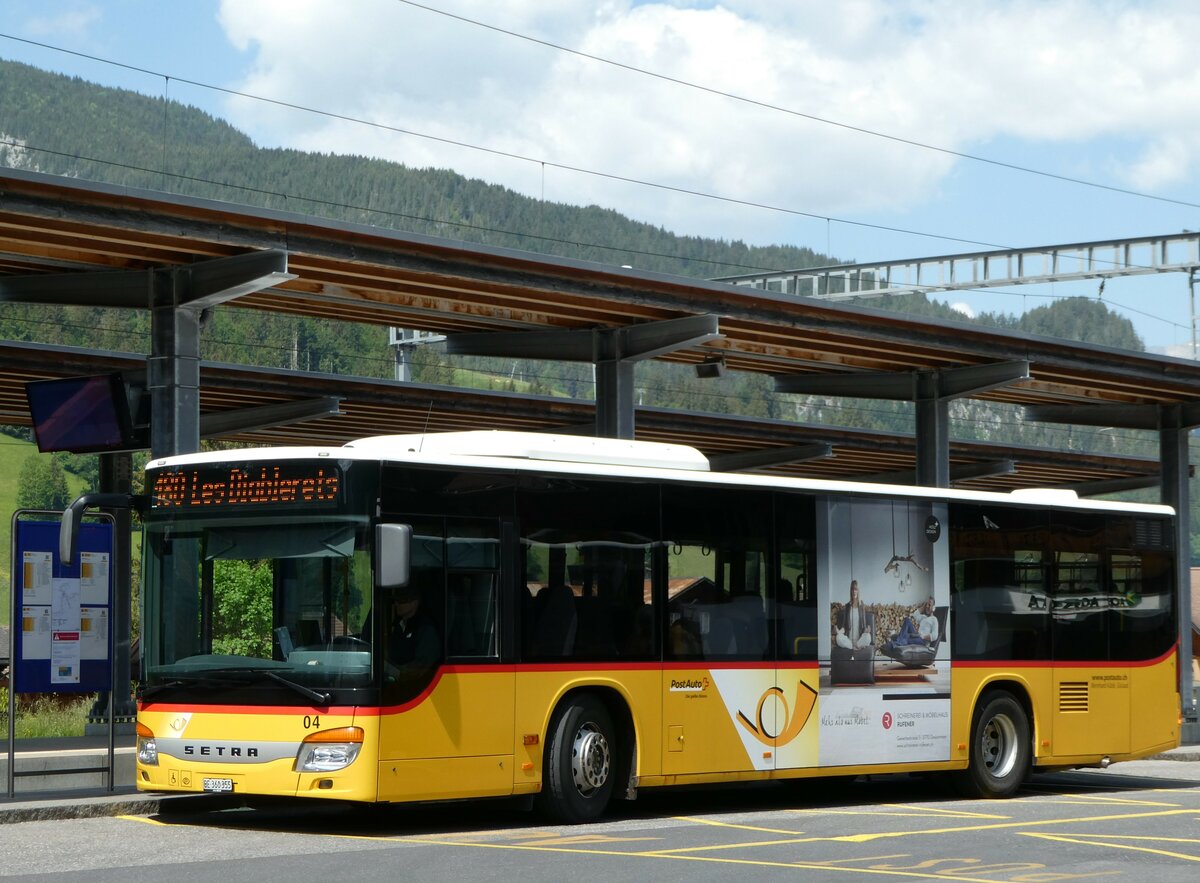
242	608
42	484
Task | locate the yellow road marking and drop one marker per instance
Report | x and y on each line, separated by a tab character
923	875
832	865
1062	838
585	838
509	833
861	859
958	813
867	838
1120	801
732	825
1142	837
892	815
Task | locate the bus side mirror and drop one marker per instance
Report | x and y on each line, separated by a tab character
393	547
68	530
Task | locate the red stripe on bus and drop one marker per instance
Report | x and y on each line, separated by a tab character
1062	663
695	665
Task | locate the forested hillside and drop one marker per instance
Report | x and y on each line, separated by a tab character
63	125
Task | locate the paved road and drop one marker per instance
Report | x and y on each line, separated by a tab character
1138	821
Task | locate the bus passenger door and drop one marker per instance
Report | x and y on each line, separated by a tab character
797	674
1091	687
719	700
454	735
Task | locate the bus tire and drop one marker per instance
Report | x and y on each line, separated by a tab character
1000	753
580	764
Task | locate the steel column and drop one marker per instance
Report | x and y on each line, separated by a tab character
1173	451
173	369
933	432
116	476
614	398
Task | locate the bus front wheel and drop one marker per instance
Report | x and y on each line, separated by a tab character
580	760
1000	748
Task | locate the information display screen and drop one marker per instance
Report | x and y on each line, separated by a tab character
81	414
255	485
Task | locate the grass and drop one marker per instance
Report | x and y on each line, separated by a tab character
12	454
41	716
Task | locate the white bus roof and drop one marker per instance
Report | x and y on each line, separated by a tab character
613	458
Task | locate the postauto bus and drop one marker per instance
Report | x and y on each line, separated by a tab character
479	614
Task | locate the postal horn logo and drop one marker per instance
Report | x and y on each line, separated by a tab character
793	719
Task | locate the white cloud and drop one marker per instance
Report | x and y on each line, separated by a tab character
955	74
1163	163
67	24
963	308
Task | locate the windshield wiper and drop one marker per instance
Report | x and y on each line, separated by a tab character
235	678
189	680
316	697
147	692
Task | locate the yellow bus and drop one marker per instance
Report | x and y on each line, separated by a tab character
486	614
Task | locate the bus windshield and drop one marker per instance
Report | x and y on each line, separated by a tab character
257	604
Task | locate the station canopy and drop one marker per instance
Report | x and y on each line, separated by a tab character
55	226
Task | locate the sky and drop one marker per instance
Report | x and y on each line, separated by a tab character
869	130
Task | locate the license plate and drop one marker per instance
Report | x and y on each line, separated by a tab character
218	784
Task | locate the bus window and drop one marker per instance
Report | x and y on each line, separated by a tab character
242	603
1078	611
717	573
1141	592
999	600
588	553
472	586
796	589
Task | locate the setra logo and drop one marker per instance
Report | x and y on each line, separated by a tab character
887	720
794	718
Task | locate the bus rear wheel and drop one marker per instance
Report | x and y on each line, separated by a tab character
1000	748
580	761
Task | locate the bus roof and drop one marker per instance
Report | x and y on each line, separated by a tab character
614	458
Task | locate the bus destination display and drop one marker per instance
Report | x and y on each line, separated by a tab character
272	484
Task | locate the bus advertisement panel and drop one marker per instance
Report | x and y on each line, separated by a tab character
883	570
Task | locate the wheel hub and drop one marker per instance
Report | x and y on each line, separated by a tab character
998	744
590	759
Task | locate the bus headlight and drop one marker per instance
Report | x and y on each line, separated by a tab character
329	750
147	748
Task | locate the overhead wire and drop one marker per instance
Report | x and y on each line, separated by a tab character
285	195
541	162
446	222
766	105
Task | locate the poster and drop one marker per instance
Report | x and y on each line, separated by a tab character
93	632
64	631
35	632
37	568
883	609
93	577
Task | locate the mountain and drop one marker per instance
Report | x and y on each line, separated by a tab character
64	125
67	126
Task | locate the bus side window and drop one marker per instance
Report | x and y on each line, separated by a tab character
471	614
717	573
587	551
795	595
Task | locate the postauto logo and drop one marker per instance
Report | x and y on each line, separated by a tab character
792	718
